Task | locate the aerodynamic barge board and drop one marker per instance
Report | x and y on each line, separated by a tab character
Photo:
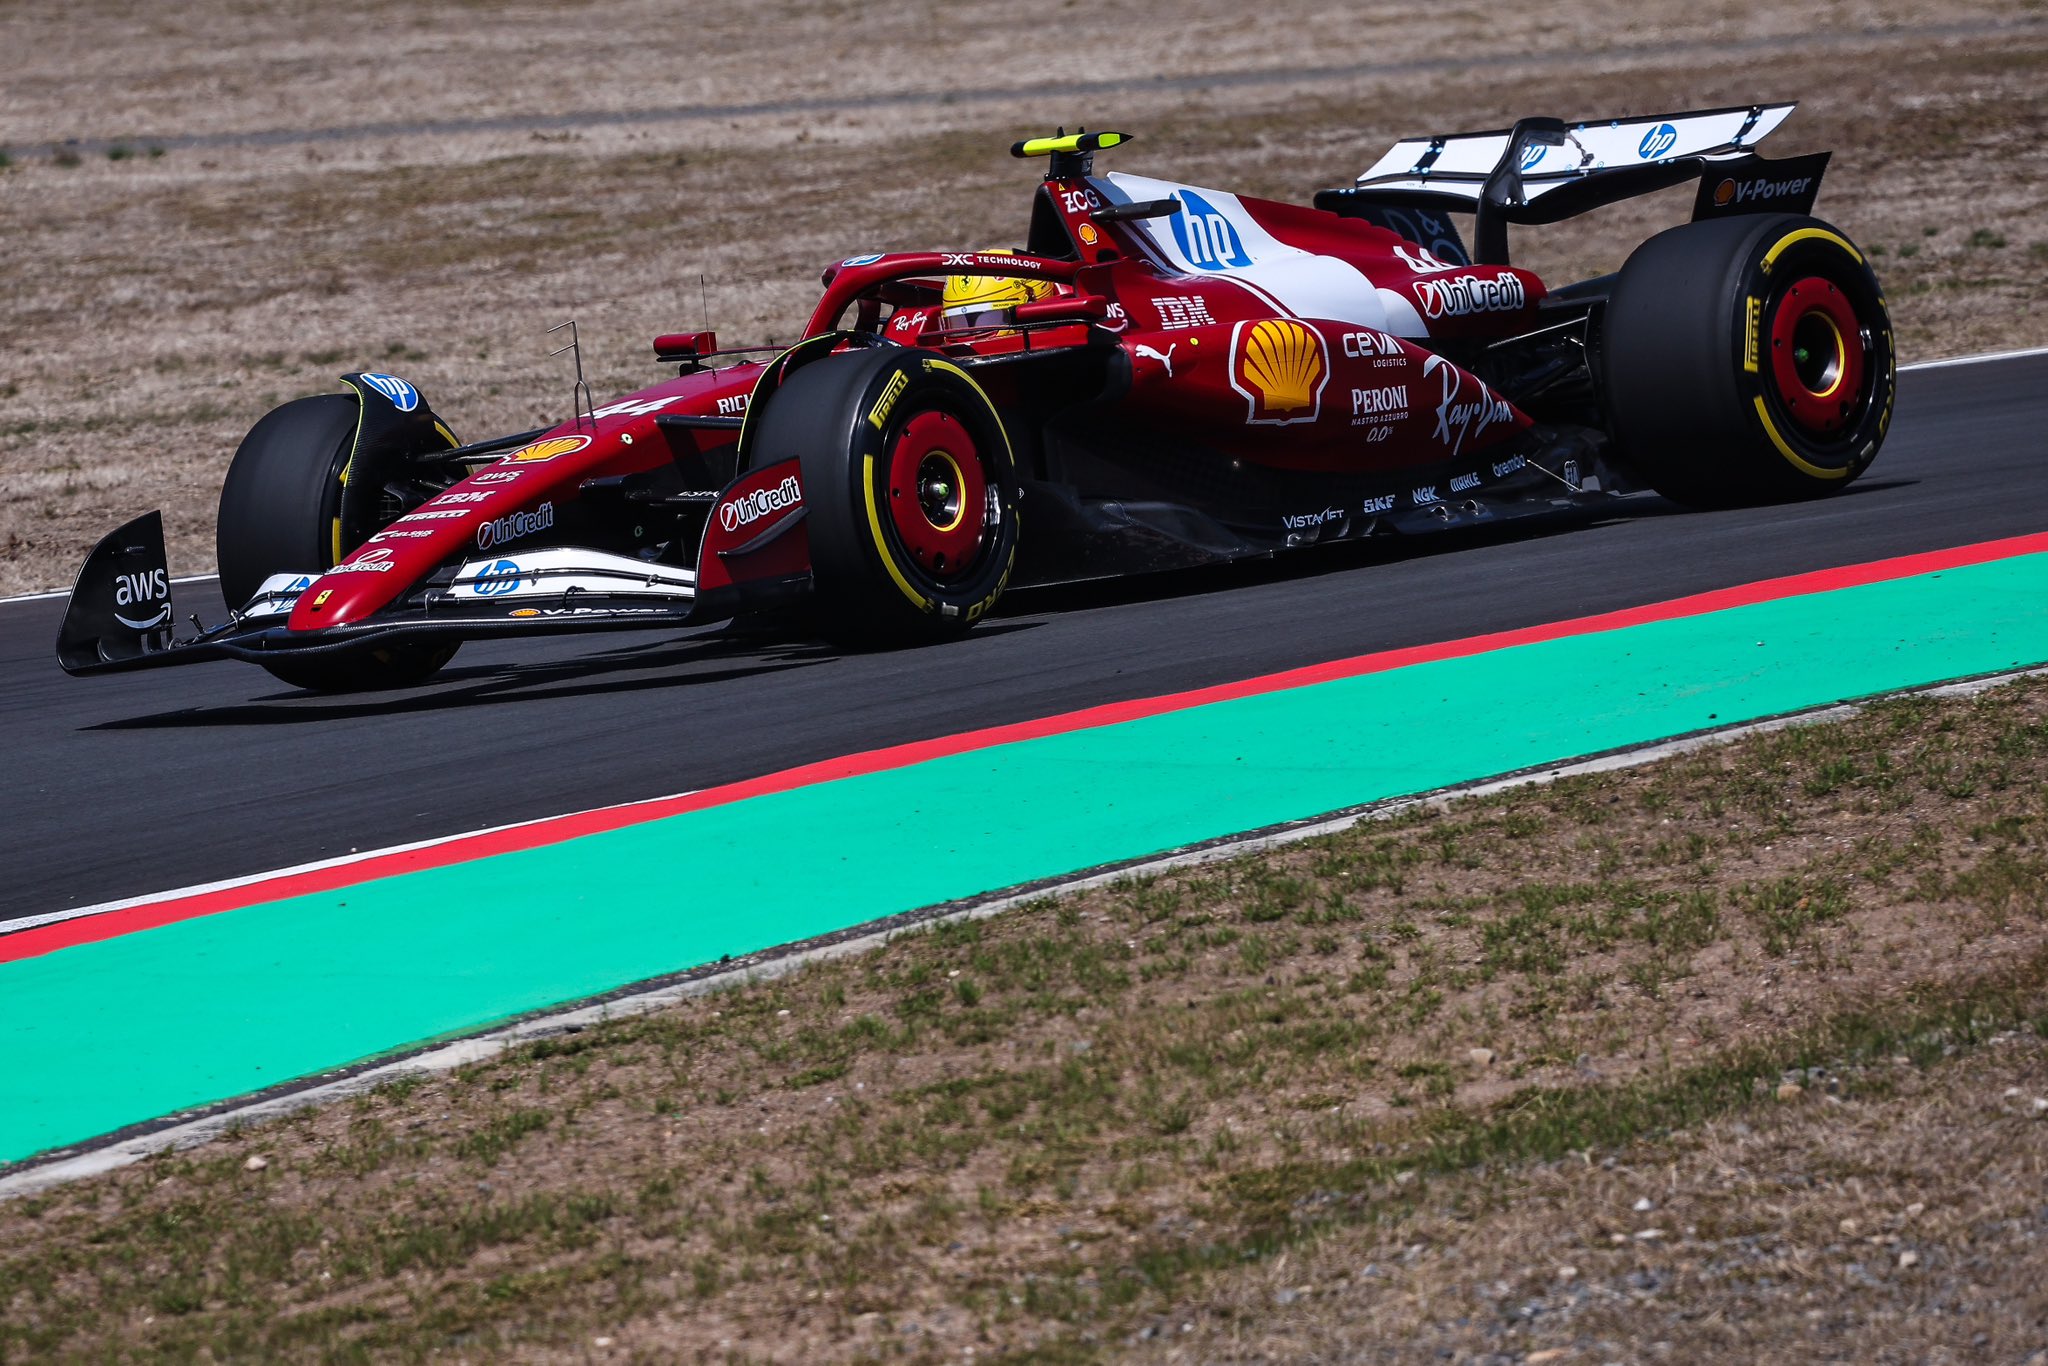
121	1018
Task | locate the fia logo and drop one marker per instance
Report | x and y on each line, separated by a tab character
1657	142
138	591
1206	237
501	578
403	396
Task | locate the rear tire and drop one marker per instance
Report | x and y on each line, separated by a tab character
909	489
1748	360
280	513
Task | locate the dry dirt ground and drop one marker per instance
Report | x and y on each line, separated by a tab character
430	186
1743	1056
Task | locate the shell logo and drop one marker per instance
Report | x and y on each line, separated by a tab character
1281	367
548	449
1724	192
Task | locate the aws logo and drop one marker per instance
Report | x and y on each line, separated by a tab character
137	592
1205	237
1281	367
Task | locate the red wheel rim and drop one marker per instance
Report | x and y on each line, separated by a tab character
1817	355
938	494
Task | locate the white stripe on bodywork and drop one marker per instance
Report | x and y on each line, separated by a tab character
1299	283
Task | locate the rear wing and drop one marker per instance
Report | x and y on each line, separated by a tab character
1544	170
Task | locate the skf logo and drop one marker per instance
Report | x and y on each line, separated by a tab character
1281	367
1657	142
548	449
1205	236
136	592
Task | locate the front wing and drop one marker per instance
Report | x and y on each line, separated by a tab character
121	616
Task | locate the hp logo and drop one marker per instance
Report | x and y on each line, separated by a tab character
502	577
1657	142
1206	237
403	396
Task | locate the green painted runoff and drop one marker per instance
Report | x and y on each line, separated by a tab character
104	1035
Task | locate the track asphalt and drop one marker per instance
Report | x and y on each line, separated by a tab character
129	785
107	786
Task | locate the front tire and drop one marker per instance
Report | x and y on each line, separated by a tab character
1748	360
909	488
281	513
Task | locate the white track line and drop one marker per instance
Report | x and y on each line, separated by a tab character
763	967
32	922
65	592
1984	359
1987	358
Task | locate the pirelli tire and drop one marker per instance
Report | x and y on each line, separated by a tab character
1748	360
910	493
281	513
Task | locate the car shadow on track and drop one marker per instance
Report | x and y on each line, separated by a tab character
727	656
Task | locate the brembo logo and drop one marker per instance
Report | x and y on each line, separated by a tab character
749	508
499	530
139	592
1470	294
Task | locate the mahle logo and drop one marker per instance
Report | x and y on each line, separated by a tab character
1206	238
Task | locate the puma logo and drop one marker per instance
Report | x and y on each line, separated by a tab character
1165	357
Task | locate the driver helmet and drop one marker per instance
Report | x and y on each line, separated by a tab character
973	301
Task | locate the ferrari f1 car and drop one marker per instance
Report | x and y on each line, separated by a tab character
1163	375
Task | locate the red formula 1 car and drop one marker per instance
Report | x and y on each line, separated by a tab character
1163	375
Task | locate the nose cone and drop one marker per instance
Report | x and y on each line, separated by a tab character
361	584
